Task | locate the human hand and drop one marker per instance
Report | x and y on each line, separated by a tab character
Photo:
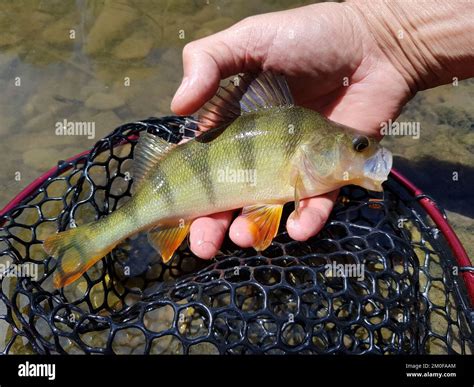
334	63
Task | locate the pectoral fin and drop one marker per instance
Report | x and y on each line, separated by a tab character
298	192
264	220
166	240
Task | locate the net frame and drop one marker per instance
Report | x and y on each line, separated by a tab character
323	320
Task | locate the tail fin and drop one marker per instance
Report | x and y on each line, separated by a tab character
77	250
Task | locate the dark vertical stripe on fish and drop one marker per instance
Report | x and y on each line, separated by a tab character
197	160
80	250
293	133
165	190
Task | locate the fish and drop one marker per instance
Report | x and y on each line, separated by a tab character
255	150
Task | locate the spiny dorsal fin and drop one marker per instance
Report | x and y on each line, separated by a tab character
247	93
148	152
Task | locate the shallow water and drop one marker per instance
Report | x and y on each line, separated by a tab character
105	63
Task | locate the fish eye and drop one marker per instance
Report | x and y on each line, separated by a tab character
359	143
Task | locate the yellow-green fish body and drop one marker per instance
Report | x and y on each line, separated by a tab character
260	152
249	163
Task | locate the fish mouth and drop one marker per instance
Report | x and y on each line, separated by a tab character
378	167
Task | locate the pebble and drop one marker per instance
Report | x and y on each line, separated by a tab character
90	88
105	122
112	23
8	39
104	101
137	46
40	102
58	33
36	21
42	121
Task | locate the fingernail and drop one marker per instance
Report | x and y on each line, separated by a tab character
207	249
202	242
290	222
293	222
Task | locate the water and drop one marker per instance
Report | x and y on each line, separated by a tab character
105	63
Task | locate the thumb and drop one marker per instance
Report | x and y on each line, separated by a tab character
206	61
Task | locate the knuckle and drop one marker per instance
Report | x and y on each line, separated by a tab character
246	21
189	49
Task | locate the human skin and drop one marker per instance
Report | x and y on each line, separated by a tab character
357	63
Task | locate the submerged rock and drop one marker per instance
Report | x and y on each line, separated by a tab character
58	33
105	122
104	101
91	87
8	39
137	46
111	24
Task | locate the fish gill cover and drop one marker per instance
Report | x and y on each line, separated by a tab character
291	298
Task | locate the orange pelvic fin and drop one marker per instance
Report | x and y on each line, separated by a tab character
265	220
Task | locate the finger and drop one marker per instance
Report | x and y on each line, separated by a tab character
240	232
207	233
313	214
311	217
206	61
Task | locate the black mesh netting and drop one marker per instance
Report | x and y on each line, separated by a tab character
283	300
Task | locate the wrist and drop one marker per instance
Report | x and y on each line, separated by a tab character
429	42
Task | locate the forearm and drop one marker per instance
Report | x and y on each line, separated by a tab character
430	42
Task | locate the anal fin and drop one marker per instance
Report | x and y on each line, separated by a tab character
166	240
265	220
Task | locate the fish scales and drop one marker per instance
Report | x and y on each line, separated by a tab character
260	143
272	153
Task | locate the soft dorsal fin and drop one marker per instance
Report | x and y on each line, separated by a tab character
246	93
148	152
